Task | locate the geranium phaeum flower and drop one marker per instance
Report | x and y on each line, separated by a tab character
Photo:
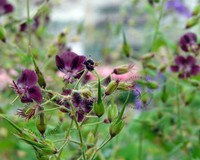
71	64
188	42
26	87
5	7
185	66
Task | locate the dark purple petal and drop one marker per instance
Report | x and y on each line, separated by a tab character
26	99
180	60
8	8
23	27
195	70
2	2
60	63
78	63
174	68
187	40
190	60
35	93
181	75
80	115
87	105
28	78
68	58
76	99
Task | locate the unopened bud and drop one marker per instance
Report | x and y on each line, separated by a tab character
126	49
90	140
122	69
150	66
112	112
112	86
164	95
86	93
147	57
196	10
125	86
152	85
2	34
192	22
90	152
99	109
41	123
115	127
162	68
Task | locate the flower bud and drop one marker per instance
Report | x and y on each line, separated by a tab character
2	34
147	57
122	69
115	127
112	112
112	86
124	86
152	84
196	10
126	49
86	93
41	123
164	95
90	152
99	109
90	140
192	22
162	68
150	66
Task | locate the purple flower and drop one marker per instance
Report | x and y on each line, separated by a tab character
71	64
5	7
179	7
81	105
26	87
185	66
188	42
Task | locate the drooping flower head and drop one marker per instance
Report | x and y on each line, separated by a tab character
26	87
71	64
5	7
185	66
188	42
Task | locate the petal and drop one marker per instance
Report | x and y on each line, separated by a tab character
190	60
180	60
181	75
26	99
174	68
68	58
60	63
35	93
187	40
195	70
78	63
8	8
2	2
80	115
28	78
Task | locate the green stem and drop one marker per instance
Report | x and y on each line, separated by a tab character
52	109
91	124
77	84
100	148
157	25
124	106
66	138
49	100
